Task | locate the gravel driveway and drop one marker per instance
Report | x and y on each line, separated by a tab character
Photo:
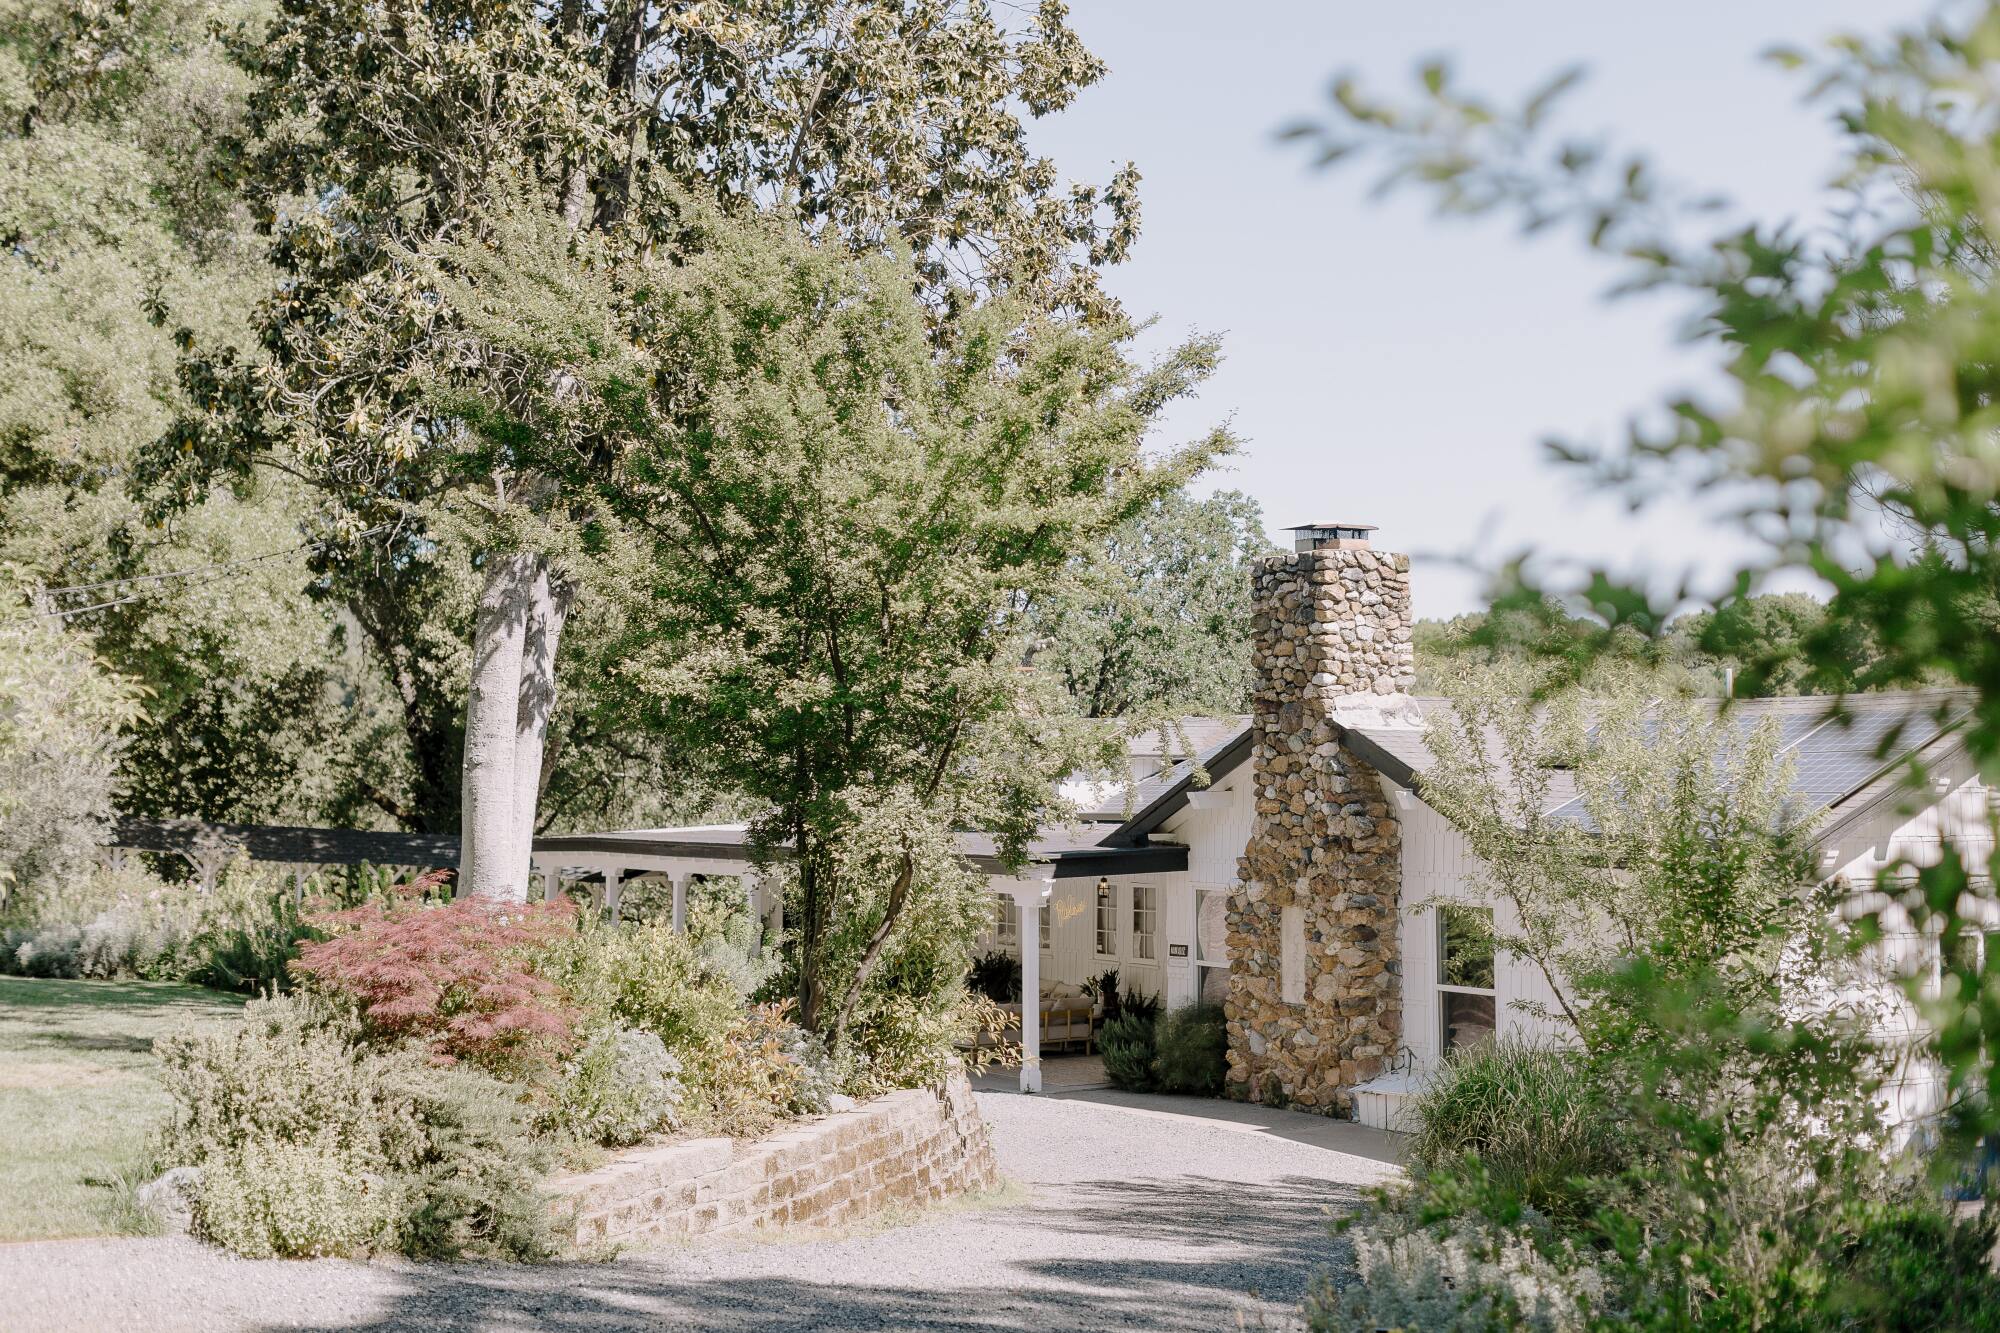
1125	1213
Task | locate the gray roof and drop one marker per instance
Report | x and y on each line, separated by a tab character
293	845
1844	752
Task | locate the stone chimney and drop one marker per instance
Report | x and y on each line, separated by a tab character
1315	998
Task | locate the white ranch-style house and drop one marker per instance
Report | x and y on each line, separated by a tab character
1306	884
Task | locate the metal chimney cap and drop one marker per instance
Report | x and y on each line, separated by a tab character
1330	536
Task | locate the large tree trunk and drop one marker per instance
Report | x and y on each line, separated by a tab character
490	864
548	609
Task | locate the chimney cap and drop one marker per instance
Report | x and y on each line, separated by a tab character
1337	536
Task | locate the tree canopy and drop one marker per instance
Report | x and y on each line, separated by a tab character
845	534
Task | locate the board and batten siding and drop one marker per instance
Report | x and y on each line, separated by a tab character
1439	867
1913	826
1215	832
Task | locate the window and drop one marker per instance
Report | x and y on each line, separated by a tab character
1145	919
1977	950
1006	919
1465	976
1107	919
1044	924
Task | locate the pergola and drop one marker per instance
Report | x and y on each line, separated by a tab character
680	854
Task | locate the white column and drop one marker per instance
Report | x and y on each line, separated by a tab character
606	892
679	879
551	884
1029	890
614	892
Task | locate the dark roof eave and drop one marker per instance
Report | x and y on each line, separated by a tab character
1069	863
1134	831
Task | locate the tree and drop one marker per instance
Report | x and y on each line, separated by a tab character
112	211
1762	642
1862	365
375	132
1675	848
847	531
1157	623
62	723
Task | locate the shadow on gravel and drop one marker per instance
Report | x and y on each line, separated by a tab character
1151	1296
1268	1240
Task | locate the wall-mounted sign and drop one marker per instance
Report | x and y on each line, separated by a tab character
1177	951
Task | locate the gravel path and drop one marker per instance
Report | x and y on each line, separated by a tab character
1126	1213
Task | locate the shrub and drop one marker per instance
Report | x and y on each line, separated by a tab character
310	1142
997	976
1910	1255
459	976
273	1199
290	1069
466	1164
821	1077
1460	1278
621	1086
1192	1041
1128	1045
44	951
756	1081
1529	1114
651	978
104	925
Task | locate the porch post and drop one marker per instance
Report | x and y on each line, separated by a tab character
614	893
679	879
551	884
1029	890
606	893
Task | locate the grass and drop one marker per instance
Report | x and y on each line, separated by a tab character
1529	1113
78	1098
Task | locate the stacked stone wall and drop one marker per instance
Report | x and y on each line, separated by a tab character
1331	635
915	1147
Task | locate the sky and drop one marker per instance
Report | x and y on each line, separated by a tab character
1387	366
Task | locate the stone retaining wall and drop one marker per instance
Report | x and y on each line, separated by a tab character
914	1147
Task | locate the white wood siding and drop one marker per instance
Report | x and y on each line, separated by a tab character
1955	809
1439	867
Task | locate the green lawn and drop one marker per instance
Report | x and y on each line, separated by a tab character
78	1096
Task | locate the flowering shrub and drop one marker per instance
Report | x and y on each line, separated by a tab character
621	1086
270	1198
458	976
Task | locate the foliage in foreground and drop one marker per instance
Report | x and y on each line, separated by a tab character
1861	361
1705	1149
439	1055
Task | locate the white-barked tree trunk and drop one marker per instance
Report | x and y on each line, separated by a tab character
493	855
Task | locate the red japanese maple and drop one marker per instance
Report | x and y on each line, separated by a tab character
457	975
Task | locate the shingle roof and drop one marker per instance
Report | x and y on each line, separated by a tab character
1841	750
